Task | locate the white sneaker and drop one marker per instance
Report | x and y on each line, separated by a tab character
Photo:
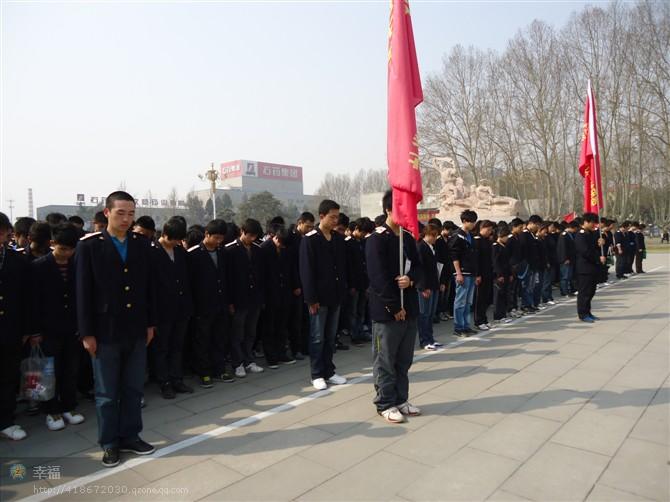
507	320
319	384
55	422
430	346
239	371
254	368
73	418
14	432
551	302
484	327
337	380
409	410
393	415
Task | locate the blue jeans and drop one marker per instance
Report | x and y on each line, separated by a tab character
322	331
357	305
547	294
463	303
118	367
528	288
566	278
427	309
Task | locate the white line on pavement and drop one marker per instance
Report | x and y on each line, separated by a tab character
71	486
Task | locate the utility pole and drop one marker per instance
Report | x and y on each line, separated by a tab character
11	210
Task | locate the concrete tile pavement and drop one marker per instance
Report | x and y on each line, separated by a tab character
548	409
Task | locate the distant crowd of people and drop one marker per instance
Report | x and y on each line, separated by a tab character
127	299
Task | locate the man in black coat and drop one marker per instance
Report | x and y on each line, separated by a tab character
53	324
175	307
14	302
323	274
209	287
566	256
587	250
394	325
117	315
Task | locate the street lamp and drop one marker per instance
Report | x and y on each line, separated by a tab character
212	176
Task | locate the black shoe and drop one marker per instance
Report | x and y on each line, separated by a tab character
341	346
298	356
111	457
181	388
224	377
273	365
167	391
469	332
206	382
286	360
458	333
138	447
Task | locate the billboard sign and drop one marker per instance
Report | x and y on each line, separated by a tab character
232	169
279	171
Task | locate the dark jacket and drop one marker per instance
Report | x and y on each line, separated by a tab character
463	250
208	281
114	298
429	278
280	276
442	255
483	247
175	301
323	269
550	245
14	297
516	256
53	299
245	275
357	274
639	241
565	249
588	253
531	250
382	251
500	261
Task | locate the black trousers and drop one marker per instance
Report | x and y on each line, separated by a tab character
621	265
638	262
209	344
10	363
483	300
500	295
513	292
167	348
298	325
275	328
586	284
243	329
64	348
393	352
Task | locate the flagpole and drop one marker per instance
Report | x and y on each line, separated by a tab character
402	271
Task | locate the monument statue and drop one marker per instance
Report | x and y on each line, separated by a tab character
454	195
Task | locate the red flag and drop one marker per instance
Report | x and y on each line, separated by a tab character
569	217
589	159
404	95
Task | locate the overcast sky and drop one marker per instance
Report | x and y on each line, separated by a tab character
96	94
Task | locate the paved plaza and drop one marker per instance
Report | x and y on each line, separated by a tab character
547	408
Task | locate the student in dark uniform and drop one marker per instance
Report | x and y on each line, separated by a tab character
518	265
464	258
565	254
280	285
620	249
428	286
358	279
299	319
587	267
393	327
484	281
445	305
531	247
22	232
40	240
632	247
502	274
323	274
116	314
209	287
53	324
640	248
14	304
246	275
175	307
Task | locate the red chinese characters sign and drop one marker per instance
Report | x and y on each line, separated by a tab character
279	172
